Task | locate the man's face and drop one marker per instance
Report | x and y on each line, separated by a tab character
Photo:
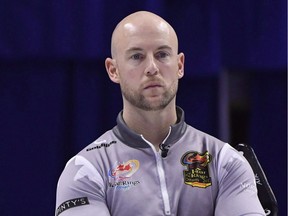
148	65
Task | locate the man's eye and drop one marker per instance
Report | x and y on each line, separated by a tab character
162	55
136	56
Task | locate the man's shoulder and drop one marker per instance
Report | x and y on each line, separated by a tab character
105	141
203	136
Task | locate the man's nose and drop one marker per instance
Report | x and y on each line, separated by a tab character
152	68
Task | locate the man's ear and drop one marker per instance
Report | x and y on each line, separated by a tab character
181	59
112	70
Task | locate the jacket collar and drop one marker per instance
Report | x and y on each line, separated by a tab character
129	137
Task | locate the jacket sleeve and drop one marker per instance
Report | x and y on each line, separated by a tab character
237	193
80	190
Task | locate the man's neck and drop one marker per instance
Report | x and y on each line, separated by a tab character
153	125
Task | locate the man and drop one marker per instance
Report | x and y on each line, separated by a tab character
152	163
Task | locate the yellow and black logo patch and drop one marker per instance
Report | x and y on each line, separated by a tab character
197	173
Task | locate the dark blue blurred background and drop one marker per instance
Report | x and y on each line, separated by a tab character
55	96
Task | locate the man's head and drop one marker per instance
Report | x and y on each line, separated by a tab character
144	21
145	61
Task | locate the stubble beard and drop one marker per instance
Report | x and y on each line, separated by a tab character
140	101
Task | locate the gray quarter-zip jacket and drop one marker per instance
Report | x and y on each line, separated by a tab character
122	174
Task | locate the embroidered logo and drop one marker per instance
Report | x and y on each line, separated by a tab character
197	173
121	174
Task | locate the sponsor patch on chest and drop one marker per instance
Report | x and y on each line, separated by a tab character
120	175
196	173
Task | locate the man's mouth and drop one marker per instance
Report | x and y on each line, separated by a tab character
153	85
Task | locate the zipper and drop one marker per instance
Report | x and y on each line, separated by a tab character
161	175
